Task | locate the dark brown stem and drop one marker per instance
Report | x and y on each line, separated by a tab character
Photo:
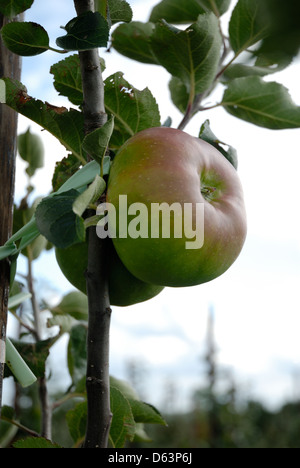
97	382
10	66
97	378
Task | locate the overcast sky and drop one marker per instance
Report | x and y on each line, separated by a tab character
256	303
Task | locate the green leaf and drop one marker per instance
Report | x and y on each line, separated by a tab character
11	8
250	22
7	250
133	41
96	143
119	11
90	195
264	104
239	70
207	135
145	413
57	221
66	126
18	366
35	442
187	11
123	424
28	233
81	178
76	419
34	354
134	110
179	94
67	78
74	304
31	150
192	55
87	31
77	353
124	387
283	43
64	169
25	39
7	412
142	412
16	300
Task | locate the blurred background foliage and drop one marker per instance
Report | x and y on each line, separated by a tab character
215	419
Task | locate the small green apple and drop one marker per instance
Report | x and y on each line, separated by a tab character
162	169
124	288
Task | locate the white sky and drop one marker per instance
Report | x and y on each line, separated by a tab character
256	303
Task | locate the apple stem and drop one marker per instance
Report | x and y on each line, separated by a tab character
207	192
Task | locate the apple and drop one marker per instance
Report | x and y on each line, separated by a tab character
124	288
163	175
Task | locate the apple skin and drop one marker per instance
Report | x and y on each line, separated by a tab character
124	288
167	165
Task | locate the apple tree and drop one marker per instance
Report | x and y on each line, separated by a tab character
186	38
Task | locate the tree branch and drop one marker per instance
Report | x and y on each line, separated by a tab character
10	66
97	378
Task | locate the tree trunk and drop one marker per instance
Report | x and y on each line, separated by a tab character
99	416
10	66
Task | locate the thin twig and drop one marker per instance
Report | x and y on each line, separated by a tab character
42	381
21	427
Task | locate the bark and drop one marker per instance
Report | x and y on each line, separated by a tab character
97	377
10	66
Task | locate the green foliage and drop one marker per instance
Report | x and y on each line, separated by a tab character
34	354
283	42
64	169
263	38
57	221
66	126
192	55
207	135
11	8
96	143
21	372
267	105
250	22
134	110
35	442
26	39
77	353
123	425
134	41
73	304
119	11
23	215
89	196
67	79
179	94
87	31
31	150
187	11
